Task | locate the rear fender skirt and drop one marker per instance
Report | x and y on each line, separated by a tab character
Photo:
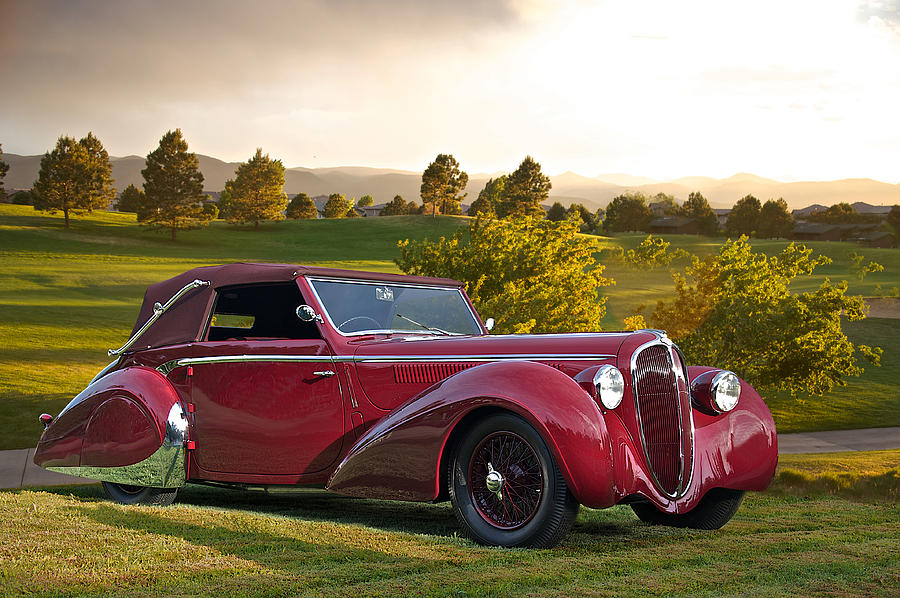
400	457
126	427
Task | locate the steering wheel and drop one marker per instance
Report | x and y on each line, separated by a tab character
345	322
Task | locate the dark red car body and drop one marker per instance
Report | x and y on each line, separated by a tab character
378	415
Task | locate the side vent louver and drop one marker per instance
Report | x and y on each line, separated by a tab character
426	373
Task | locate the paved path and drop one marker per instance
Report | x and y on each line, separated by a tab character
17	468
839	441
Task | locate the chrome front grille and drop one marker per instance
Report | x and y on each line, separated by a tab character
659	416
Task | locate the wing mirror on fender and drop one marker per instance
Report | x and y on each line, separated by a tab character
308	314
489	324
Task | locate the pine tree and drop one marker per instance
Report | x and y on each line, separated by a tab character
397	207
698	208
489	197
744	217
131	200
442	185
74	178
525	190
337	206
302	208
4	168
257	191
173	186
775	220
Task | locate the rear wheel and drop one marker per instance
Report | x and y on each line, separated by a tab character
139	495
505	487
713	511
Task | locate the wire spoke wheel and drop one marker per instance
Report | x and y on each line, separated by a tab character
505	486
505	480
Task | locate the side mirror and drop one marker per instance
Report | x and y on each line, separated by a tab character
489	324
308	314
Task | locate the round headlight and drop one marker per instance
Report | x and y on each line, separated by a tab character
610	386
726	388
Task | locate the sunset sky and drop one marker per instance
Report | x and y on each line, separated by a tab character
784	89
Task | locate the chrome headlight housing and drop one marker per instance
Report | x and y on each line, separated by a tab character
610	385
725	390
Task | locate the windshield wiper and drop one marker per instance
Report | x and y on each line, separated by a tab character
431	328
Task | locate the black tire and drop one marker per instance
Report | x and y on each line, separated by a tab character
537	510
713	511
139	495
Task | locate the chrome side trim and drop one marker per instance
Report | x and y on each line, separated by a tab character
158	310
171	365
103	372
662	339
165	468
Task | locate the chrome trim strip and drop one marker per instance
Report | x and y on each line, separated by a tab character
171	365
165	468
103	372
312	279
662	339
158	310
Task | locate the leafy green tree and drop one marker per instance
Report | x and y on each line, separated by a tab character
557	212
173	186
131	200
22	198
653	252
225	205
775	220
744	217
524	191
365	201
531	275
628	212
842	213
735	310
302	207
489	197
257	190
4	168
210	211
337	206
698	208
667	204
582	217
74	178
443	185
397	207
861	269
893	219
351	211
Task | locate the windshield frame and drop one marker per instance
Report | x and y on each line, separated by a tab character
479	326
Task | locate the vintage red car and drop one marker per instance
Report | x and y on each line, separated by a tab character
389	386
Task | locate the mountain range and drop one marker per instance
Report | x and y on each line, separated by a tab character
594	192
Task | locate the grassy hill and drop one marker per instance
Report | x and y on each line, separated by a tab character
68	295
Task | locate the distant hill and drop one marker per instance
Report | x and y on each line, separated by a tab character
384	183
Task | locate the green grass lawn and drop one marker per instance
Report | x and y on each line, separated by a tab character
790	541
66	296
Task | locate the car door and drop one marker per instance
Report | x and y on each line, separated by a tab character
266	407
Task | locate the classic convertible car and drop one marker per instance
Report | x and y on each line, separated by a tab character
389	386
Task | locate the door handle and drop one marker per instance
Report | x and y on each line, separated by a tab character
324	374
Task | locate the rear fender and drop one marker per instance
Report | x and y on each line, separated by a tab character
400	457
125	427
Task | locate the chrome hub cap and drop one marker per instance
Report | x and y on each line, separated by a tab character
494	481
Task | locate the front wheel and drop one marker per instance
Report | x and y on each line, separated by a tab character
505	486
139	495
713	511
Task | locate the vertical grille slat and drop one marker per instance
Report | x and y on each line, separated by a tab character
656	394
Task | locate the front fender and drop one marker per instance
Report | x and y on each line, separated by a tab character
400	457
125	427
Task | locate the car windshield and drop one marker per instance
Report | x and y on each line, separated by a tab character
360	306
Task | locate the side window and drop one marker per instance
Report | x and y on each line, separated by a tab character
259	312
